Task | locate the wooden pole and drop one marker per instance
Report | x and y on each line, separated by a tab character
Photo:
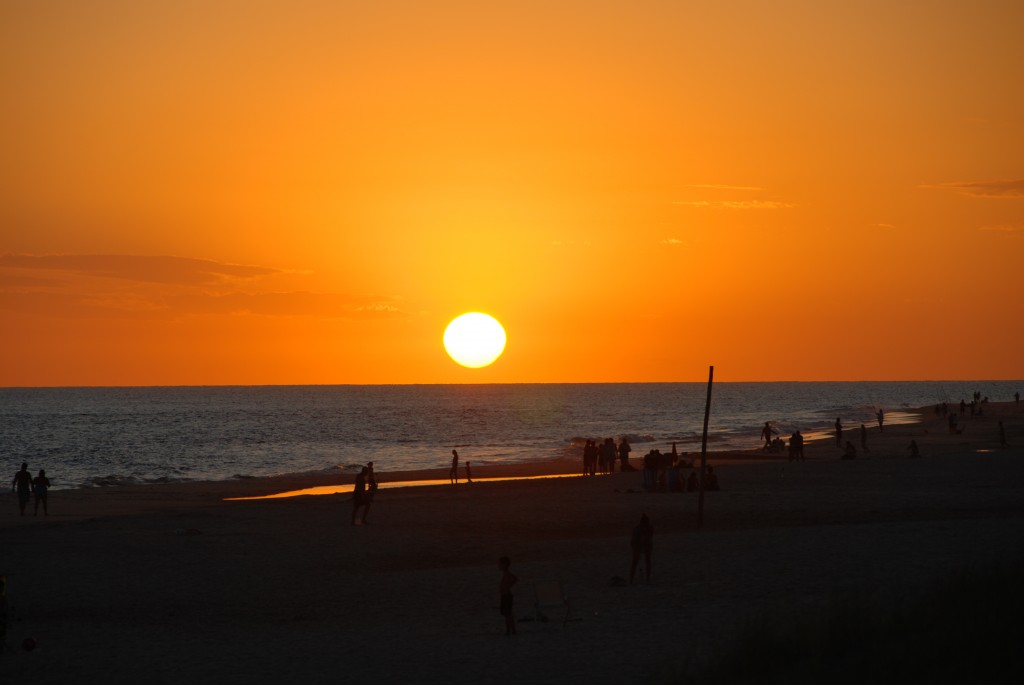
704	450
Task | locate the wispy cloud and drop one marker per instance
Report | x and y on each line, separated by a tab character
715	186
297	303
736	204
1015	228
74	303
881	225
145	269
674	242
1009	189
119	286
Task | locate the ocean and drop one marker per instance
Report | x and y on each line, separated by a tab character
110	436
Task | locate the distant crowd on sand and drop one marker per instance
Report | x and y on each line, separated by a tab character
773	443
662	472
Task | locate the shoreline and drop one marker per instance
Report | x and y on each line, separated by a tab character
114	439
930	433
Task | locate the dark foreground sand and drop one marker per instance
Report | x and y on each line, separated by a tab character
287	591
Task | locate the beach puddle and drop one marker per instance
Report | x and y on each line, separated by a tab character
346	488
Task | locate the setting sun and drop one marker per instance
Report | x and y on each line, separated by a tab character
474	339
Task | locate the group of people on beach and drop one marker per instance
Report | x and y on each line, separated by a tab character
600	458
26	486
453	473
661	471
664	472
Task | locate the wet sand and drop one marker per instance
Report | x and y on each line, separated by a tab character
173	584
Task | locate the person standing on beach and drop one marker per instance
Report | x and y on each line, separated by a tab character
589	458
839	432
881	418
371	479
508	579
469	474
766	433
1016	398
23	484
624	450
40	484
360	499
453	474
799	439
642	542
608	455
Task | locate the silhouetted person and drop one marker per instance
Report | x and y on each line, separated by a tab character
766	434
608	455
40	484
711	480
914	452
590	458
23	484
799	449
371	479
1016	398
360	498
839	433
850	452
881	419
864	438
642	542
963	407
469	474
624	450
453	474
675	481
508	579
1002	435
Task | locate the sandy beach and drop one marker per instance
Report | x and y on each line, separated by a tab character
174	584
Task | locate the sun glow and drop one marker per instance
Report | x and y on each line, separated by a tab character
474	339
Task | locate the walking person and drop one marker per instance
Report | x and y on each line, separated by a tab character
40	484
23	484
880	415
839	433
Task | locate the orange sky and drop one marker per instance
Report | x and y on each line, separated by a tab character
251	192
